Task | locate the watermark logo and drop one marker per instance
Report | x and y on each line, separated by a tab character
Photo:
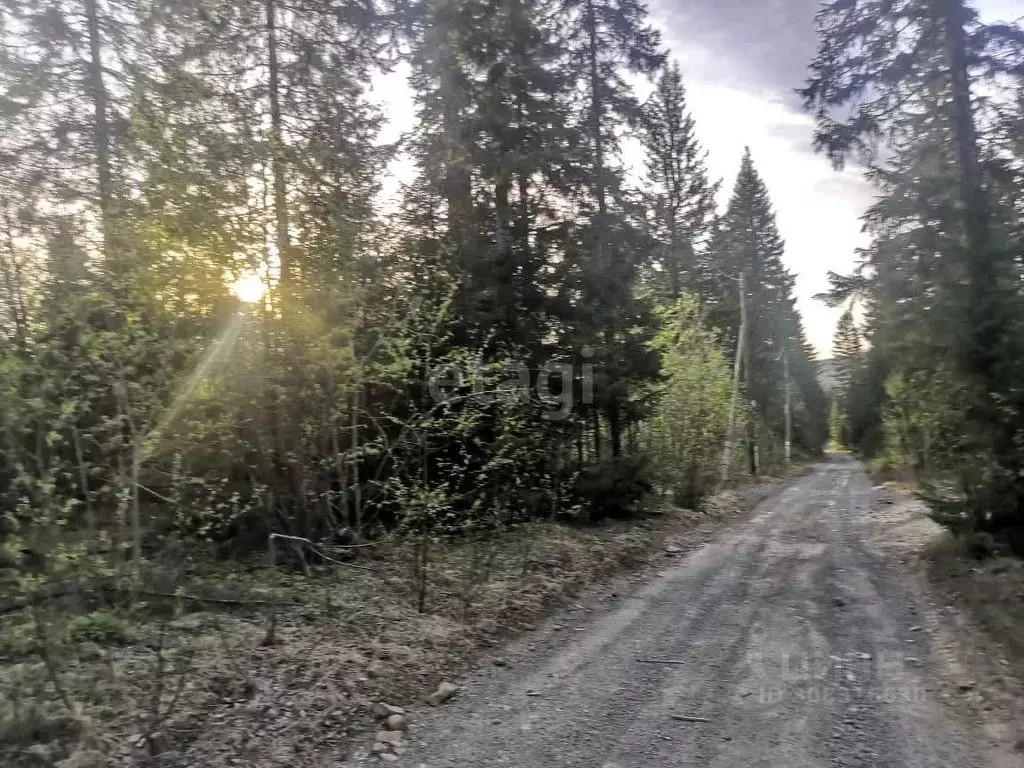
820	678
558	385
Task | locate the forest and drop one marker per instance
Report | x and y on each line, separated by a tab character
221	344
214	329
930	382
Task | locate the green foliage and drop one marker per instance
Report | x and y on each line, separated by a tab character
922	415
142	401
941	279
614	487
687	429
98	627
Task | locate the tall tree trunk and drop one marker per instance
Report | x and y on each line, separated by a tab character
603	255
615	429
502	269
963	117
787	407
748	378
282	239
674	267
730	434
136	514
986	292
458	190
10	271
597	112
101	130
83	482
357	495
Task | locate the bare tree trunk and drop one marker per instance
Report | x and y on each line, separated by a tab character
271	637
597	107
458	189
277	159
357	494
135	511
83	480
101	129
987	319
736	366
335	447
10	270
787	407
989	272
963	116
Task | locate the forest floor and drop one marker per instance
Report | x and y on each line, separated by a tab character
818	633
91	681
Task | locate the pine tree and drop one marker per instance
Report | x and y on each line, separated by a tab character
683	197
846	350
941	264
747	241
603	39
61	99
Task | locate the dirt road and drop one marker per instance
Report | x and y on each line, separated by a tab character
791	644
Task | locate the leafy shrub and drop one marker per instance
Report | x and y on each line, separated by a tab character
100	628
614	487
687	429
922	418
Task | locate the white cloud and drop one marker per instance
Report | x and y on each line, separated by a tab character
818	209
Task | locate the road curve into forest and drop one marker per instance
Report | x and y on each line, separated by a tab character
790	644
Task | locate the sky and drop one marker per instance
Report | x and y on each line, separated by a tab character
742	60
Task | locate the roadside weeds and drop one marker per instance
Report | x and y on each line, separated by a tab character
974	616
172	682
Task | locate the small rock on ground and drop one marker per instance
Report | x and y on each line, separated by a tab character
444	692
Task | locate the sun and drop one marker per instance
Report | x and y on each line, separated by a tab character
249	288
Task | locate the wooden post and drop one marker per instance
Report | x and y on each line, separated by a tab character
136	521
787	406
730	435
272	625
83	481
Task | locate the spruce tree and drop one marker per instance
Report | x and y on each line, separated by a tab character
846	349
942	262
603	39
682	200
747	241
846	353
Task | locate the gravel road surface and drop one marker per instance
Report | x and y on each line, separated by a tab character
786	643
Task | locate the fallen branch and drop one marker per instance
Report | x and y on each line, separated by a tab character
319	552
56	591
216	600
690	719
41	596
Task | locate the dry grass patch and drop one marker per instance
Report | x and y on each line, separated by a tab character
158	681
990	589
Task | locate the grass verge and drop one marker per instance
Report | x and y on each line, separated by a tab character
161	677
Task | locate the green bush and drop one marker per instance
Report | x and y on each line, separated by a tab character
614	487
100	628
687	429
